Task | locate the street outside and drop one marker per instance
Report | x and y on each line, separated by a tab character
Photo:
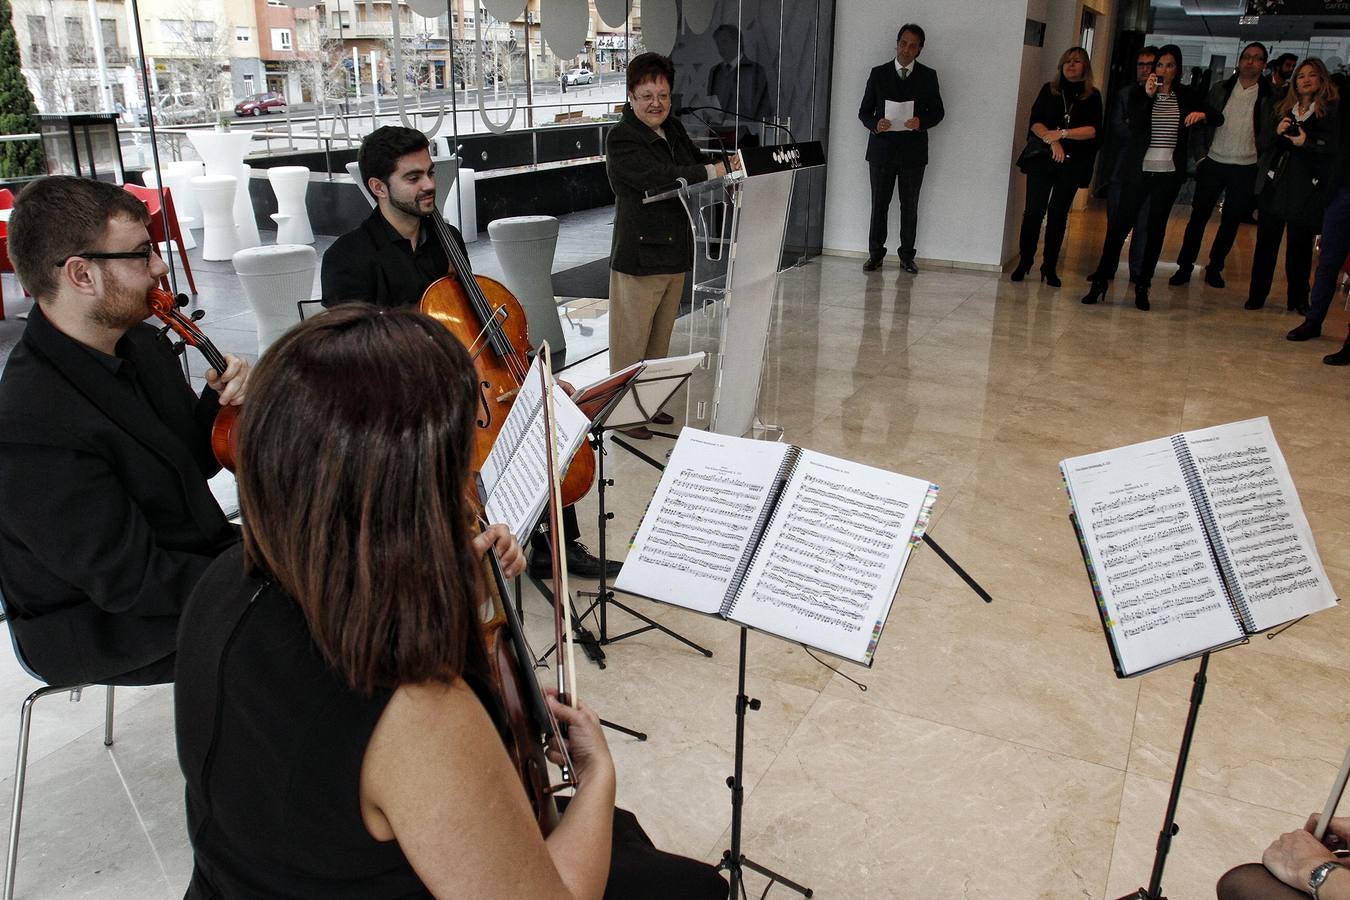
297	126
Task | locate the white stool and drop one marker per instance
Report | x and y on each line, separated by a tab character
290	183
274	278
245	222
181	173
354	170
524	246
215	194
178	187
465	214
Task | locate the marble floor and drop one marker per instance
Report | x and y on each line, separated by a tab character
994	752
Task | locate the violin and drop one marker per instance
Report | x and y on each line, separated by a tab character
529	723
478	309
224	431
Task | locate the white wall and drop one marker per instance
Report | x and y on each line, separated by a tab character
977	52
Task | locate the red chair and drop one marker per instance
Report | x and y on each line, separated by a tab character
158	232
6	202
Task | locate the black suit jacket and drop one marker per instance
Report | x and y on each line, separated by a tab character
106	520
373	263
899	148
650	239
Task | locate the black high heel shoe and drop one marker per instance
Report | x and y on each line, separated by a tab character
1050	277
1019	273
1141	297
1097	292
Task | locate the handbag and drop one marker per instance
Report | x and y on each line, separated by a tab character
1035	156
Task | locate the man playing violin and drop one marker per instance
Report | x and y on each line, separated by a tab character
106	520
391	259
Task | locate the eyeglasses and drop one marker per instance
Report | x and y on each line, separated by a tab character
652	98
1254	57
143	254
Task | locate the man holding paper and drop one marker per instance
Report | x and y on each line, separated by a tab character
901	103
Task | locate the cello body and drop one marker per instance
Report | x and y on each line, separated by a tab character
446	301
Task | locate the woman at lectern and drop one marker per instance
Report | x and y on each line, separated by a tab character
652	251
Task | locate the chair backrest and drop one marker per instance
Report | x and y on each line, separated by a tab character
6	198
14	639
148	196
354	170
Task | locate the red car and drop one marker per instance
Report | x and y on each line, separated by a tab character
259	104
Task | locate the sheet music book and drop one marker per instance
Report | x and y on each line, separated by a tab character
514	478
1193	542
657	380
792	542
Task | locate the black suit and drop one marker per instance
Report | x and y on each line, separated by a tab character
897	155
106	520
373	263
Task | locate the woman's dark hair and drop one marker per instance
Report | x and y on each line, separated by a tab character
380	151
1173	51
912	29
648	67
354	456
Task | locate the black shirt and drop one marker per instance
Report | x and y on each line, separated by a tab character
373	263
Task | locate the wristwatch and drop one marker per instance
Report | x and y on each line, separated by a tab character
1063	132
1320	875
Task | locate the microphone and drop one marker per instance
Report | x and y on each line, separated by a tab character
690	110
683	110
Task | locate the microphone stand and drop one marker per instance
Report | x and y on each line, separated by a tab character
738	114
726	156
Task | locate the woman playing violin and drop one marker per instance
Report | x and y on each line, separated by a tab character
337	729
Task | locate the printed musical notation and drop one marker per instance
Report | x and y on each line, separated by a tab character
702	526
829	564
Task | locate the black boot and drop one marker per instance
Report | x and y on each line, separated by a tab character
1023	267
1181	276
1141	297
1305	331
1097	291
1341	357
1050	276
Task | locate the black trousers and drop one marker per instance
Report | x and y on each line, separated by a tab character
1253	881
1235	184
638	869
886	180
1298	252
1139	225
1047	195
571	529
1159	190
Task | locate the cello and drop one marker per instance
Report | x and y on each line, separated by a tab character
224	431
481	310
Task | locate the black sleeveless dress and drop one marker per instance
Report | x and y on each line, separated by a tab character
271	743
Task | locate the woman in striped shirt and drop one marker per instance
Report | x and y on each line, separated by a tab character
1161	113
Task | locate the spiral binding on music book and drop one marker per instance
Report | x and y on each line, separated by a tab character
766	514
1190	472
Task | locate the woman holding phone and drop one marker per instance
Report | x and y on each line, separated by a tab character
1161	113
1292	182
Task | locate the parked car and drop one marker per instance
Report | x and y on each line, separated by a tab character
176	109
260	104
578	76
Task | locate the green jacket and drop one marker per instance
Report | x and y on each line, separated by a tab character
650	239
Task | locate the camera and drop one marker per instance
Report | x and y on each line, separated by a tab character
1294	129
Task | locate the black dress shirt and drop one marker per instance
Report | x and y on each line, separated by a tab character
373	263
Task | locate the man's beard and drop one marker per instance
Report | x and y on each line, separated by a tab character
412	207
120	307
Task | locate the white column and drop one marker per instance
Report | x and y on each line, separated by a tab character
104	88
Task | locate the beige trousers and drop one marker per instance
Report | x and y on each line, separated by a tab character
642	310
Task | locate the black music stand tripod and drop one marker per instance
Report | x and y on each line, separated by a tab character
603	598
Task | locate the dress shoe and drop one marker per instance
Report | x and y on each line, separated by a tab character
663	418
1341	357
1253	303
1298	306
1097	291
908	266
638	433
1141	297
1019	273
1050	277
1181	276
873	263
1214	279
1305	331
580	562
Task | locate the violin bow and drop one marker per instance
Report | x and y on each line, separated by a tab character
562	616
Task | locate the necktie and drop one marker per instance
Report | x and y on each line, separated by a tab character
904	73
